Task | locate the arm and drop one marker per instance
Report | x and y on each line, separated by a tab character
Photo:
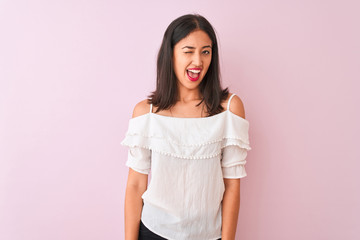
231	199
230	208
136	186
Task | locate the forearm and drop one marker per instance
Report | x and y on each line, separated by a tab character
230	208
133	208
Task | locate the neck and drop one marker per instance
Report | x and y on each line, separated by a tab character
189	95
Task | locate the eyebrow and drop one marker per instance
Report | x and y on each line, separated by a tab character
190	47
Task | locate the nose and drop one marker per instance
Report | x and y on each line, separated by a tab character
197	61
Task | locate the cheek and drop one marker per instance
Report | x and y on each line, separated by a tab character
207	63
178	63
179	69
209	60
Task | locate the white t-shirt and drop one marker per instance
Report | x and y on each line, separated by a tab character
188	159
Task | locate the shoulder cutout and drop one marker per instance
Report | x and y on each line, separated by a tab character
237	106
141	108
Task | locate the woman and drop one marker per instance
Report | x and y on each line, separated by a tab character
191	138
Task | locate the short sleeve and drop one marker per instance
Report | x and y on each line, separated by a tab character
233	161
139	159
139	150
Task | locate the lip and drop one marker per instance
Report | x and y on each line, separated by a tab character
190	78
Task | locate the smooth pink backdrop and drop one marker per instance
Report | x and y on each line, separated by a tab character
72	71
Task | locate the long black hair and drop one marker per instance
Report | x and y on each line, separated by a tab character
166	93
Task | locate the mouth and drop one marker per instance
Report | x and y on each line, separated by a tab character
193	74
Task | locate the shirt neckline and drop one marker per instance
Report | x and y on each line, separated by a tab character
191	118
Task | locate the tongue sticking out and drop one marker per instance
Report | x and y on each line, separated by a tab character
193	75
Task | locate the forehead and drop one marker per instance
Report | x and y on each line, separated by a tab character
197	38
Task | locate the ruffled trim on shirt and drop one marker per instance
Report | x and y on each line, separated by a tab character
233	162
139	159
237	171
166	147
195	139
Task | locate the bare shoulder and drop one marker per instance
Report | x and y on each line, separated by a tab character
141	108
237	106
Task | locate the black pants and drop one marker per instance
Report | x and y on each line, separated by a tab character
146	234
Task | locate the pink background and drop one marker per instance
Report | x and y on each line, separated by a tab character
72	71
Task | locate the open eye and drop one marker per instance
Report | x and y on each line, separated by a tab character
206	52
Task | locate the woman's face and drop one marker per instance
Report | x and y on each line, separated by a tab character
192	58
